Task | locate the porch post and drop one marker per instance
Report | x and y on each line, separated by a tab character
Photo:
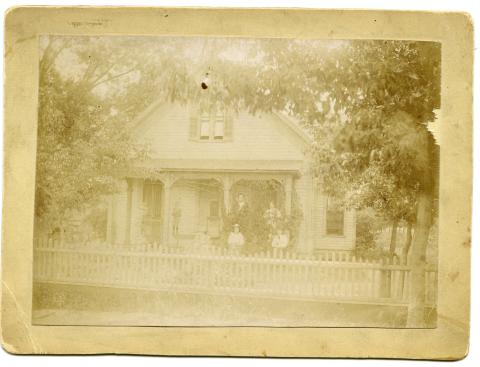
136	213
128	221
227	186
167	185
110	219
288	195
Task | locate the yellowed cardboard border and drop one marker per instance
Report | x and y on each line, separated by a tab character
448	341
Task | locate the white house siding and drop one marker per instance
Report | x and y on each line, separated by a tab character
167	130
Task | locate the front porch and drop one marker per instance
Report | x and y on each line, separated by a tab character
181	208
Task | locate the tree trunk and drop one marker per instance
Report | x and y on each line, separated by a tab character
405	251
416	307
387	273
408	244
393	239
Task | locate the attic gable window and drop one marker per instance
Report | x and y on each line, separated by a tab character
204	123
210	125
219	126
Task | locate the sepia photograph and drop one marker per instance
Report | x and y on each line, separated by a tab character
226	181
237	182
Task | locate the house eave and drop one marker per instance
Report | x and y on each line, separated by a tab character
221	165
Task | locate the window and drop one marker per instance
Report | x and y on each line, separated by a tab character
210	126
214	209
218	130
219	126
204	126
335	217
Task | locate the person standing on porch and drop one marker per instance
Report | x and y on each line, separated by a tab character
241	206
176	216
272	216
241	213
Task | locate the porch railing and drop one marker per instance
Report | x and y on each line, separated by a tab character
328	276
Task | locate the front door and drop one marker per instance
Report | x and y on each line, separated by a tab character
209	212
213	219
152	216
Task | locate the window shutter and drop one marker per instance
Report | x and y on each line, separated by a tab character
194	128
228	129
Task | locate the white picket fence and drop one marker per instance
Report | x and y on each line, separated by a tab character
327	276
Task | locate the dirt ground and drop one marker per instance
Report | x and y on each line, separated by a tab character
58	304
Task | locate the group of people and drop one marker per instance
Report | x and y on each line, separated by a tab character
277	236
237	238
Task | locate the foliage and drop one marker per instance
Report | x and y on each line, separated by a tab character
376	154
367	226
293	221
96	221
365	102
256	229
83	132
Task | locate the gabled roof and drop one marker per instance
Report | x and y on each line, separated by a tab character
291	123
294	125
230	165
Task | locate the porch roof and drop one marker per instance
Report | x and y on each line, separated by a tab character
292	166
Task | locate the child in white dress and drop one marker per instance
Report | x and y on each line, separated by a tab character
236	239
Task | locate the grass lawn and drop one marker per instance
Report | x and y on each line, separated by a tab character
60	304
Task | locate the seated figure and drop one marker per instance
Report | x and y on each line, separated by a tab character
202	239
280	239
235	238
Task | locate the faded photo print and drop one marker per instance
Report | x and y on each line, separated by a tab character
237	182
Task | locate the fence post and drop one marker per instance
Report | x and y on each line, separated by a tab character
385	279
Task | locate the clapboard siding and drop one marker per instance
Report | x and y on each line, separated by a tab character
264	137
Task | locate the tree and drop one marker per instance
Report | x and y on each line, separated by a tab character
388	92
88	97
367	104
